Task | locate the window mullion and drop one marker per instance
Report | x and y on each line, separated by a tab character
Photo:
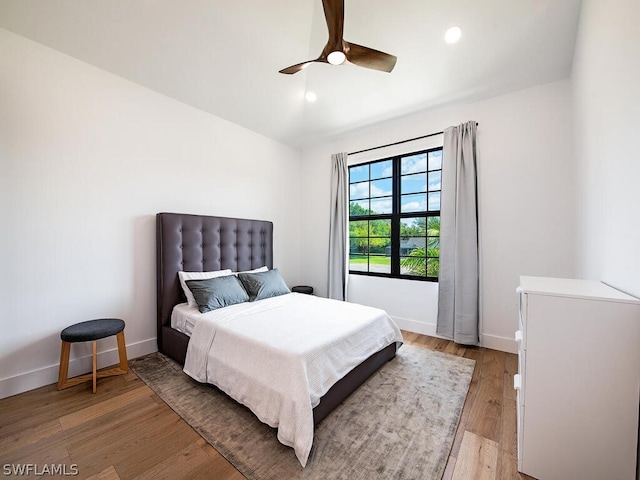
395	219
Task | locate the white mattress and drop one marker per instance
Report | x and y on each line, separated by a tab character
280	355
184	318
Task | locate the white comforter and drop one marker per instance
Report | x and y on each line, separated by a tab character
278	356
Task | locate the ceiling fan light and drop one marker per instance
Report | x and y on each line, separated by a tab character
336	58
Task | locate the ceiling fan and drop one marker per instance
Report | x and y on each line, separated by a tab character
337	50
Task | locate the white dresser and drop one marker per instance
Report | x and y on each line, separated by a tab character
578	380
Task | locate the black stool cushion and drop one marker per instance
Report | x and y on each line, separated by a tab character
303	289
92	330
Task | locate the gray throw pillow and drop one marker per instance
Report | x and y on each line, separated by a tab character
263	284
218	292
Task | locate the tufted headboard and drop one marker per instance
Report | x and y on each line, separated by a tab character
196	243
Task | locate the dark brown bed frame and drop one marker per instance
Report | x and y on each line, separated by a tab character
196	243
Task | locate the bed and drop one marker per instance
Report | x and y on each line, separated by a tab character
195	243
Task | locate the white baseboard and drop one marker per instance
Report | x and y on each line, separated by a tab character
504	344
48	375
415	326
493	342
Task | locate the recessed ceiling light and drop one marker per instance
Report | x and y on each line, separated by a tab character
453	35
311	97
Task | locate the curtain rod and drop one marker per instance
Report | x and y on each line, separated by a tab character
398	143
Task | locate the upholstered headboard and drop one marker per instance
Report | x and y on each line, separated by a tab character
196	243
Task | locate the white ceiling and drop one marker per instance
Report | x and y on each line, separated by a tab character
223	56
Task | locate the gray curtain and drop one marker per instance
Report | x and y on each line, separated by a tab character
338	227
458	302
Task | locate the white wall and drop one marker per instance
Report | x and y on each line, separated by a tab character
86	160
606	79
526	203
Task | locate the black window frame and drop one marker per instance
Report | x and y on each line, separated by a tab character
395	216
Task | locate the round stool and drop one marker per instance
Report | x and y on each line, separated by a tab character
303	289
91	331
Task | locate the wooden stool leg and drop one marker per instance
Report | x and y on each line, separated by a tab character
63	373
95	364
65	382
122	352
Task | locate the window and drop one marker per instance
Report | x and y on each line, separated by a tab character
394	216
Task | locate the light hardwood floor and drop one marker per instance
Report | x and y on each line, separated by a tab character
125	431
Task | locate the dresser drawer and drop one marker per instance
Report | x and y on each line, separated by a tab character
519	429
522	360
522	317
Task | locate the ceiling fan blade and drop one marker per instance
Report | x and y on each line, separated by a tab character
369	58
296	68
334	15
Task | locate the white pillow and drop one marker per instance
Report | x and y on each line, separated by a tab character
184	276
257	270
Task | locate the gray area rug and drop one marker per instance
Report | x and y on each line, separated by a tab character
399	425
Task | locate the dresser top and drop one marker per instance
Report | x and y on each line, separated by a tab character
570	287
